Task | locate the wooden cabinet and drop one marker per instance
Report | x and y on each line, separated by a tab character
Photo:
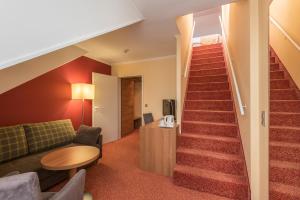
158	148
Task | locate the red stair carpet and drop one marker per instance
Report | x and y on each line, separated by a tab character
210	156
284	134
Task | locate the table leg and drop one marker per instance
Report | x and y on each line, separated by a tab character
72	172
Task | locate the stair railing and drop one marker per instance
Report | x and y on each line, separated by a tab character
229	61
285	33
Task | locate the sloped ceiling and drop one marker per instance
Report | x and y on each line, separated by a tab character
152	37
33	27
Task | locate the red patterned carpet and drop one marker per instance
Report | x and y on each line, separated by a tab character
117	176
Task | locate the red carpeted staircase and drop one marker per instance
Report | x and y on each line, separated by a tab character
284	134
210	156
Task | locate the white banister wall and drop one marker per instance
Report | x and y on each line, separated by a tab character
229	63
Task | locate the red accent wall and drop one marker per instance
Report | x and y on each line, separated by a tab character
48	97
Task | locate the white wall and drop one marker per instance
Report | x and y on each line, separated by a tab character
32	28
207	25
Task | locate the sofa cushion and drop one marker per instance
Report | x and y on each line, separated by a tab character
12	143
47	135
87	135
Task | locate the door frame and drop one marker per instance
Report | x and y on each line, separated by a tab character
142	96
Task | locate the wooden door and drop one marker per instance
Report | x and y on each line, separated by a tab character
127	106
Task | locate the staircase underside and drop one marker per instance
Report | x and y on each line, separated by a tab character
284	134
209	156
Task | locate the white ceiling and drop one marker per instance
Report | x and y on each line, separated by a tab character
153	37
36	27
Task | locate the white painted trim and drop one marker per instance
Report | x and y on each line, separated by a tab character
285	33
190	52
29	56
235	84
144	60
178	81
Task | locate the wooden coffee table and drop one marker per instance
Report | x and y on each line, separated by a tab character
70	158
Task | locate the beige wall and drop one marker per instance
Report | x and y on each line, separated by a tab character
18	74
159	81
247	30
235	16
286	13
184	47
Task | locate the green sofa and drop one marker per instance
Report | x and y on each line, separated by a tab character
23	146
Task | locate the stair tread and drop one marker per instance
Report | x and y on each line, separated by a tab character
285	113
209	174
226	82
285	164
212	154
286	189
283	101
208	91
210	123
208	100
284	144
210	111
215	57
285	127
204	54
210	69
217	75
210	137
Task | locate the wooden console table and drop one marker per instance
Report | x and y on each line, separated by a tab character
158	148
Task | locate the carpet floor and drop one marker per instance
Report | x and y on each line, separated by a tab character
117	176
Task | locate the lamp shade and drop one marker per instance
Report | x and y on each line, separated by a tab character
83	91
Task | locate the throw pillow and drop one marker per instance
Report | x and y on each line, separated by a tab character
87	135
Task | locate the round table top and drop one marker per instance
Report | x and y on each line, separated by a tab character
70	157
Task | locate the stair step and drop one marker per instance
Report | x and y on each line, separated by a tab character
283	192
208	78
285	172
225	163
208	66
285	151
208	86
209	95
283	94
277	74
280	84
227	185
285	134
206	128
206	55
272	59
221	105
208	47
209	116
285	106
210	143
213	71
207	60
285	119
274	67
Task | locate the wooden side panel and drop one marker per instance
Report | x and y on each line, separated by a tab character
127	106
158	149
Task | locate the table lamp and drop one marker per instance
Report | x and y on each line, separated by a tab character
83	91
